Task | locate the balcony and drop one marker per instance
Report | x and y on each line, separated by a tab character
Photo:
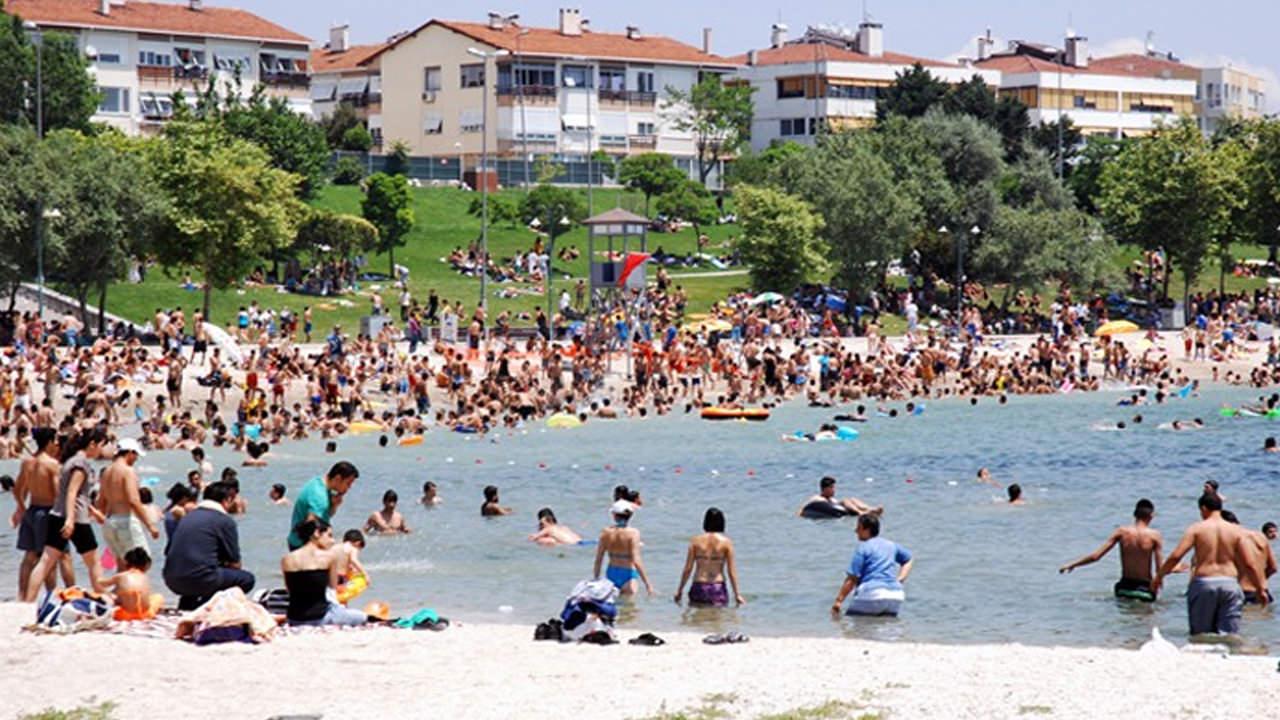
156	74
192	72
635	97
528	90
281	78
642	140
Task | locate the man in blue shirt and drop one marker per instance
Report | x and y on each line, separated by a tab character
877	571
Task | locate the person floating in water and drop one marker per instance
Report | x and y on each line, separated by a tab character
1015	495
1140	554
984	477
430	495
876	586
492	507
825	504
551	532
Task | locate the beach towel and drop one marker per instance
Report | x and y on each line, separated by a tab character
70	610
228	615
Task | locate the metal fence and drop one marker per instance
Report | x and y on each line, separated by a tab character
511	172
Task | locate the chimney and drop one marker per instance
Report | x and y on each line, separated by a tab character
706	40
1077	51
871	39
633	32
778	35
104	7
196	5
985	43
495	20
753	57
339	38
570	21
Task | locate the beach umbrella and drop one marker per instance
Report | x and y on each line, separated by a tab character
766	297
1116	327
708	326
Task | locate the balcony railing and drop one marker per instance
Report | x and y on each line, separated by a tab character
286	79
642	140
195	72
635	97
528	90
614	95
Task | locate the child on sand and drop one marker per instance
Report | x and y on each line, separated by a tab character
131	589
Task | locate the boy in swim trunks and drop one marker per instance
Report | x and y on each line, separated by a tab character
1140	547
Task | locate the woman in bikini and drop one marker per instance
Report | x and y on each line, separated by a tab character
710	558
622	544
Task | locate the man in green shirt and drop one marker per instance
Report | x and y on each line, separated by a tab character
321	497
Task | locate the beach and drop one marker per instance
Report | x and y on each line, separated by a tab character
497	671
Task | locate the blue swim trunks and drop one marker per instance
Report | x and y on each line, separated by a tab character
621	576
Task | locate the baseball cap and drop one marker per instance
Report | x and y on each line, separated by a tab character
130	445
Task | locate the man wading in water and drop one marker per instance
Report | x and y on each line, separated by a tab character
1140	547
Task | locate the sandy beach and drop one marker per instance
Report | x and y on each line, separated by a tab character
495	671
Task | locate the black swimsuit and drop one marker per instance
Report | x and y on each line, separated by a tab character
307	601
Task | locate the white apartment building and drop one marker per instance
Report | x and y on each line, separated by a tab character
141	53
1101	96
351	74
829	77
563	91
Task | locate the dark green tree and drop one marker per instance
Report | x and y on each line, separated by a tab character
911	95
971	97
337	123
357	139
398	158
757	168
348	171
17	68
70	97
716	114
343	235
1045	137
294	143
550	205
650	174
387	205
1085	179
1013	123
691	202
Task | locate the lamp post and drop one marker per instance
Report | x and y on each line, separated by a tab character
524	122
975	231
589	86
484	178
37	39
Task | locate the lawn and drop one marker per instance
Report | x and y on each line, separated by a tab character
442	224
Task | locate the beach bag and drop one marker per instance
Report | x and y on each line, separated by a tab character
71	610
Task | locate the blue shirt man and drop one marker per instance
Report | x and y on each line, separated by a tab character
877	571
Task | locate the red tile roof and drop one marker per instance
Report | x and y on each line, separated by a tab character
804	52
1146	65
355	57
154	17
1124	65
548	42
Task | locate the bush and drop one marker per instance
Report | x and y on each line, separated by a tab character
357	139
348	171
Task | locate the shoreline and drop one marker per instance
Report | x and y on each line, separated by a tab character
498	671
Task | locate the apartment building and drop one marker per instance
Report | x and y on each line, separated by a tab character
351	74
141	53
563	91
831	77
1102	96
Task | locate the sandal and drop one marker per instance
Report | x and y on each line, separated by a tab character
648	639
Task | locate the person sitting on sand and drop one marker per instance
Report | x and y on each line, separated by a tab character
622	545
491	507
388	520
827	496
876	587
430	495
277	495
551	532
1140	547
711	555
1015	495
310	574
131	590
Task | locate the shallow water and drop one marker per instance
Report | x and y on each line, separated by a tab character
985	571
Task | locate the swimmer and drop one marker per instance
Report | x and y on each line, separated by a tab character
1257	551
1269	530
859	416
1212	487
388	520
491	507
1015	495
277	495
622	492
984	477
256	451
848	506
622	544
1269	445
551	532
430	496
1140	555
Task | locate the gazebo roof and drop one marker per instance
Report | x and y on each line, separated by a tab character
616	216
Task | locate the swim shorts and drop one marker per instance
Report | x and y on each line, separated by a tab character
713	594
31	532
1214	605
124	533
1134	589
81	536
1251	597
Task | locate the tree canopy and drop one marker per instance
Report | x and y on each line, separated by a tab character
651	174
386	205
780	240
716	113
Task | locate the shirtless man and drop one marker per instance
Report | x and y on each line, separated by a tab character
1214	598
119	500
551	532
388	520
35	492
1259	553
1140	547
848	506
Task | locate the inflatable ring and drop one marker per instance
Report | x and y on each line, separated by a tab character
822	510
352	588
410	440
365	426
563	421
719	413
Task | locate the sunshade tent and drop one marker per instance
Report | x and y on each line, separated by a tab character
1116	327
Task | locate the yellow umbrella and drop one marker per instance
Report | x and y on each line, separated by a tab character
1116	327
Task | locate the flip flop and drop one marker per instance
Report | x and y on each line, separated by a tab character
648	639
715	639
736	637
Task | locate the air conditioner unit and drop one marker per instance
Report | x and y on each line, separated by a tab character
429	96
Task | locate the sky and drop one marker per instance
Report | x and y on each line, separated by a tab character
1243	33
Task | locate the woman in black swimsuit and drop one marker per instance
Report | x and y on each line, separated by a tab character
309	573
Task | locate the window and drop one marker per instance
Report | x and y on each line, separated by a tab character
644	82
471	121
614	79
614	140
790	88
645	128
114	100
795	126
188	57
577	76
431	79
150	58
433	124
108	58
472	75
852	92
155	107
526	76
1198	92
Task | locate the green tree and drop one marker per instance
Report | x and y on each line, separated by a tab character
757	168
503	209
343	235
650	174
1261	221
23	183
398	158
1086	175
716	114
1026	247
1031	183
780	240
348	171
357	139
17	68
336	124
228	206
1045	137
972	97
692	202
294	143
550	205
1013	123
1172	190
70	97
912	94
386	204
972	158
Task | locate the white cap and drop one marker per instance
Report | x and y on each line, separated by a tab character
623	507
129	445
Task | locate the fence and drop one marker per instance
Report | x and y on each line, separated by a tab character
511	172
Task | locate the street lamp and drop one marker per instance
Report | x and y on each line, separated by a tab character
590	88
484	181
524	122
551	249
461	165
37	39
